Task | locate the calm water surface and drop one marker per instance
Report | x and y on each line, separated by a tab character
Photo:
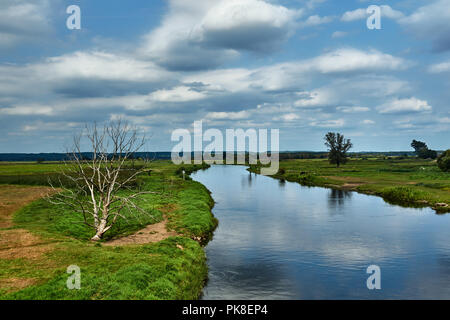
283	241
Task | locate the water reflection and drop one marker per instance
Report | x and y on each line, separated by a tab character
337	198
284	241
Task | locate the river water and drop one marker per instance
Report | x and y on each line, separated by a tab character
280	240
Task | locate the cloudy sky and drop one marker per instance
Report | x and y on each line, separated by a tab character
305	67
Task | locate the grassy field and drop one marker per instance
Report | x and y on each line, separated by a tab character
39	241
407	182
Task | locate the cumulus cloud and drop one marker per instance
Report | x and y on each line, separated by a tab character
360	14
204	34
335	123
99	65
228	115
316	20
357	14
291	76
431	22
440	67
353	109
253	25
319	98
348	60
405	106
427	22
22	20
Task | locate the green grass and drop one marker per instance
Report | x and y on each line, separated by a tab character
172	269
407	182
154	271
192	220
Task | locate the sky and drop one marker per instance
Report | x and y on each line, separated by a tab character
305	67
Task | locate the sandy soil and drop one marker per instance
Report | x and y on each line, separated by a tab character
152	233
19	243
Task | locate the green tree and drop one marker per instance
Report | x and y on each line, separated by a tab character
338	147
444	161
423	151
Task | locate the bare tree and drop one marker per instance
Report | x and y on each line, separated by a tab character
100	184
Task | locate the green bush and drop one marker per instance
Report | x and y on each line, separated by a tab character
443	161
403	195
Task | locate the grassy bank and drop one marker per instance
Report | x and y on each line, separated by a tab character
406	182
43	240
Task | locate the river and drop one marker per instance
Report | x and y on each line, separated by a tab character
280	240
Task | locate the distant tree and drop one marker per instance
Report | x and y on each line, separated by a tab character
418	145
422	150
338	147
443	161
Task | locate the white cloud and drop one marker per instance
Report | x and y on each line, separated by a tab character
22	20
368	122
348	60
431	22
440	67
360	14
339	34
98	65
405	106
317	98
177	94
353	109
293	75
289	117
228	115
337	123
316	20
202	34
357	14
388	12
25	110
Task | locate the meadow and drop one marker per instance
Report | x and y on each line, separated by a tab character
399	180
40	240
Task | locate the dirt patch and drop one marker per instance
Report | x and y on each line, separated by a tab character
351	185
150	234
15	284
349	182
12	198
19	243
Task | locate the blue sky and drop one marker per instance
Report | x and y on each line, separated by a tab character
303	67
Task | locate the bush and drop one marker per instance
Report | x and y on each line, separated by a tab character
443	161
403	195
426	153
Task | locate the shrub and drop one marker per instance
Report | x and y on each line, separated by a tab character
443	161
403	195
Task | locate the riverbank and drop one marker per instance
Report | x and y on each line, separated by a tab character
405	182
41	240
